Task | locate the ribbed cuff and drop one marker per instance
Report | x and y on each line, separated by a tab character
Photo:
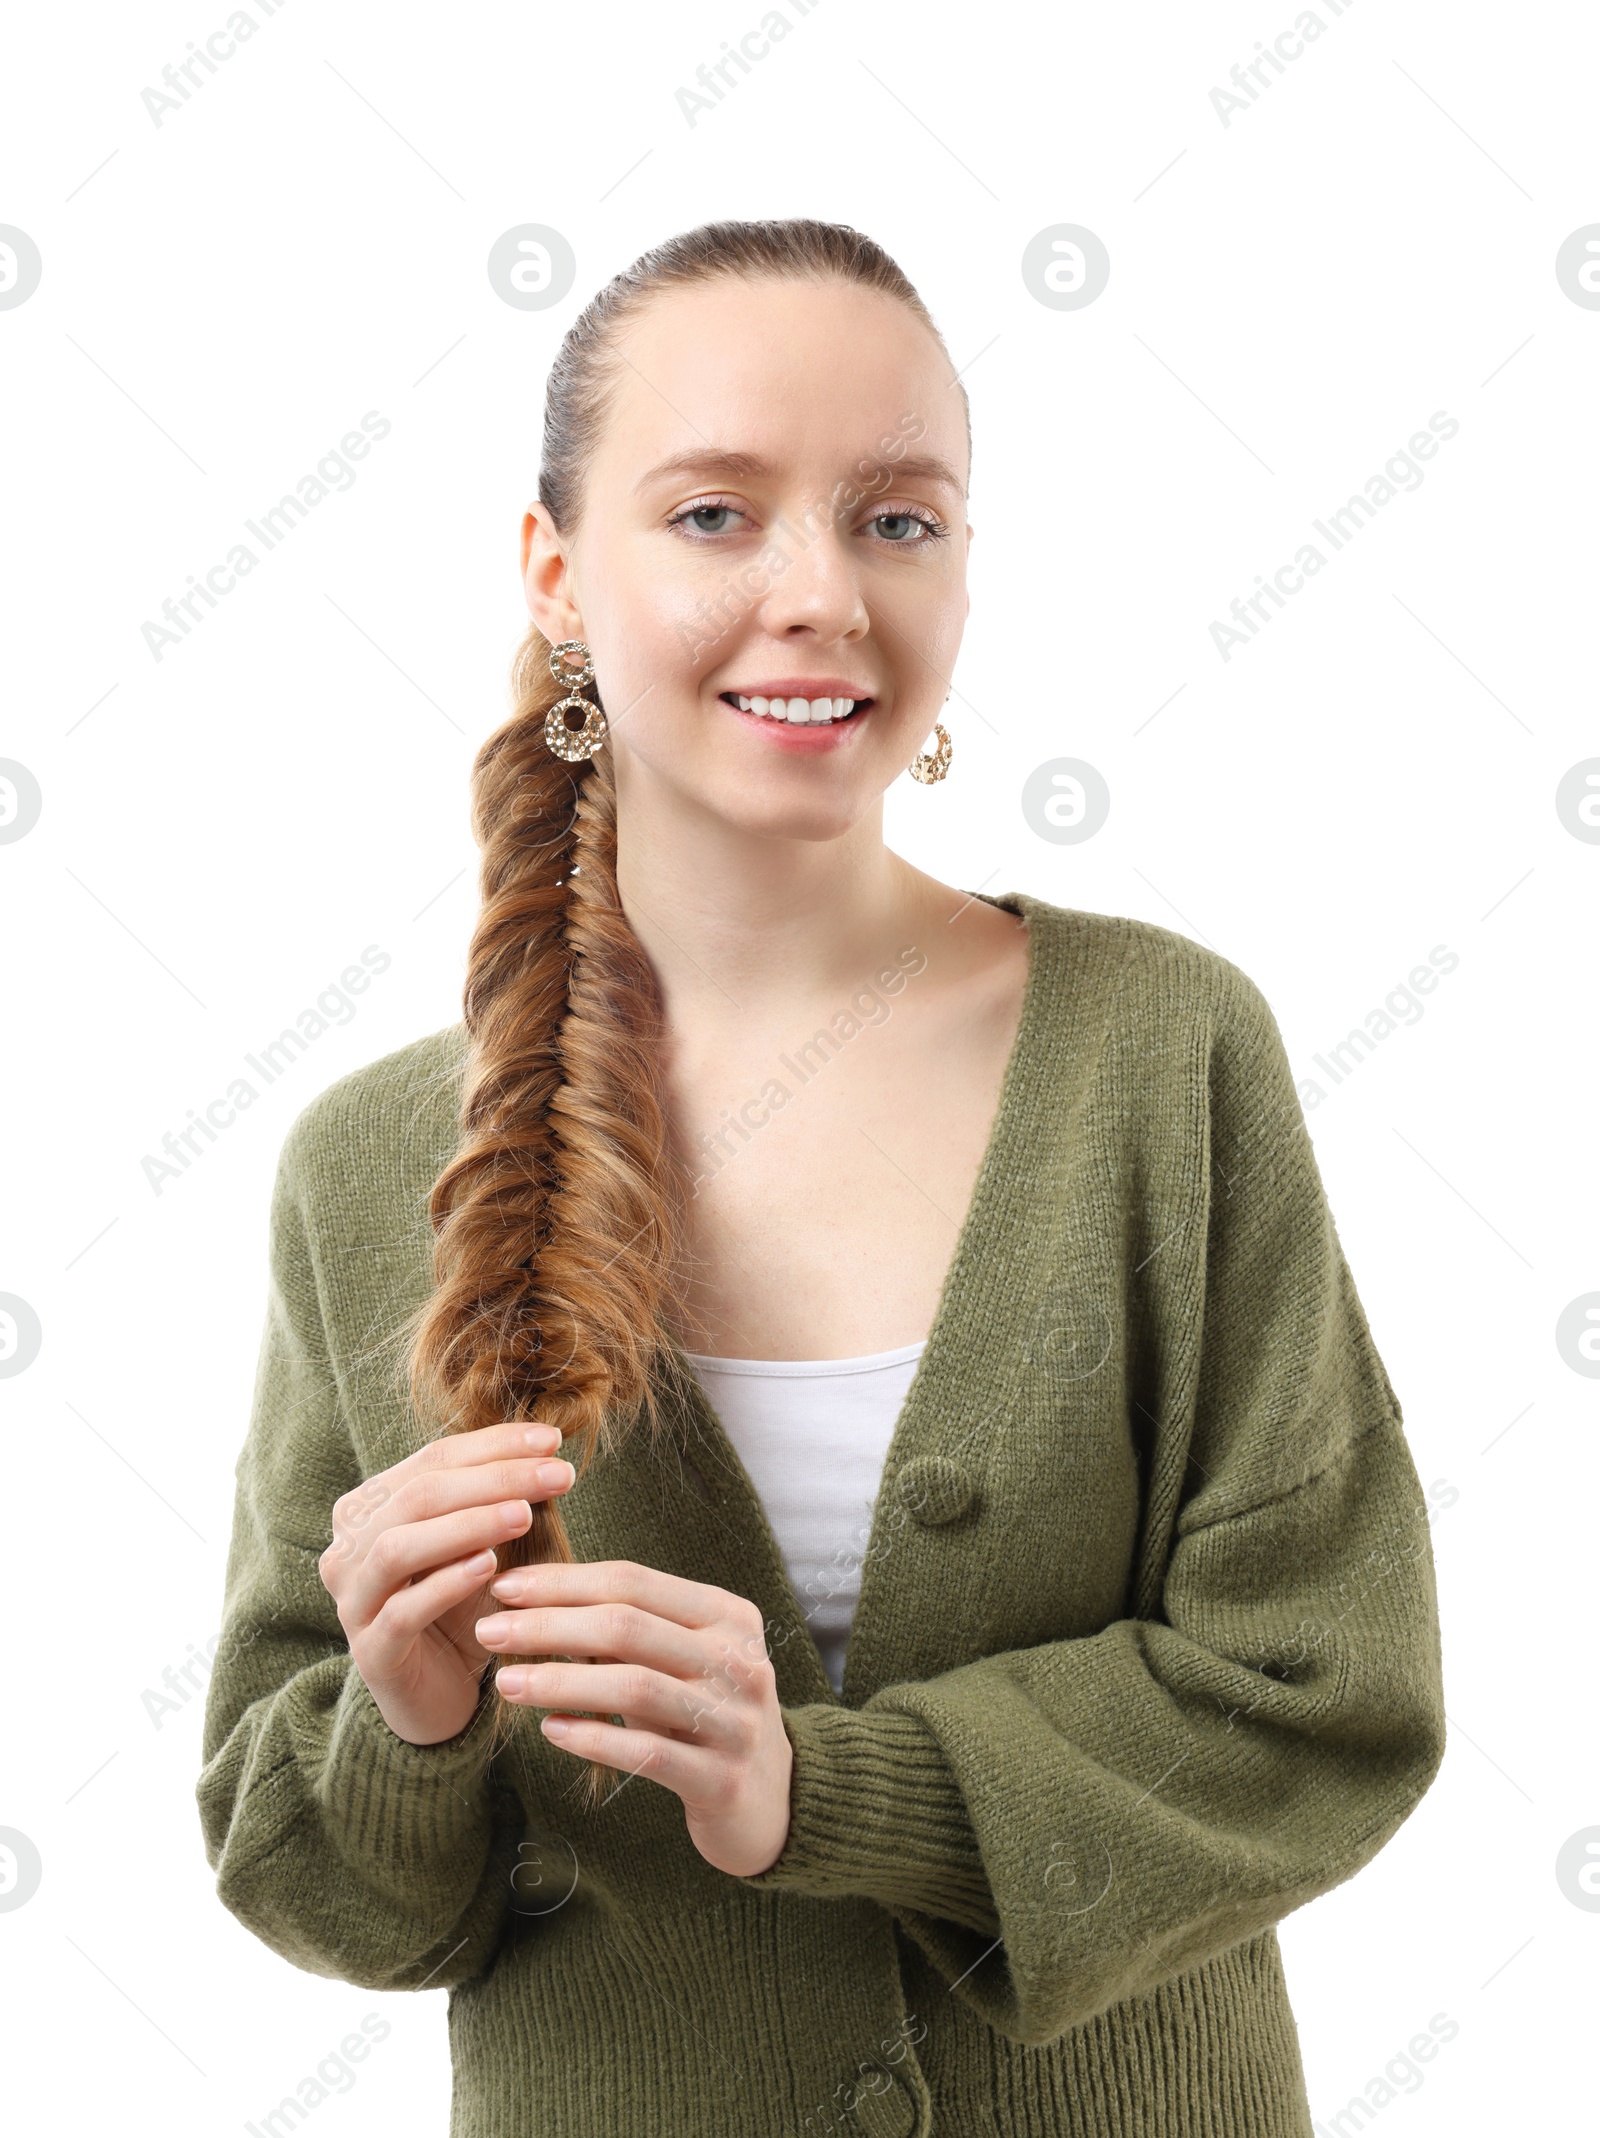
403	1805
875	1813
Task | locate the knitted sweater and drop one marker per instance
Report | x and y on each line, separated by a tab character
1146	1654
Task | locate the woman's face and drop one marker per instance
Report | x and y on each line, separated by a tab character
776	510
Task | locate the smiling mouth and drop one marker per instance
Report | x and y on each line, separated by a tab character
798	712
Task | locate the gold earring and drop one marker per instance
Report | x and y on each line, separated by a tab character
930	767
575	728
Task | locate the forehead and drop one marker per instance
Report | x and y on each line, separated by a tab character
797	373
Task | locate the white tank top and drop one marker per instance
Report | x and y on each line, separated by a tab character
813	1434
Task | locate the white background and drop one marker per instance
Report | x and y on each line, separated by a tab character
1291	297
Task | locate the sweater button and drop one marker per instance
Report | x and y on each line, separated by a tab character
935	1489
884	2109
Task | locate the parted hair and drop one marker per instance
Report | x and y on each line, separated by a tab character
559	1221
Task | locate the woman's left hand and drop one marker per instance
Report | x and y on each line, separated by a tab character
687	1667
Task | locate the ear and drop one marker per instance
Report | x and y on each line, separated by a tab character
545	579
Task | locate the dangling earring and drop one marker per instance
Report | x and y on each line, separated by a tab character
930	767
575	728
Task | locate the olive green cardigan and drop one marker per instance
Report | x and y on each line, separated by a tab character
1146	1654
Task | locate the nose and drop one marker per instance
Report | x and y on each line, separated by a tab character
818	590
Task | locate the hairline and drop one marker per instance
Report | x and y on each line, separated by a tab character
609	360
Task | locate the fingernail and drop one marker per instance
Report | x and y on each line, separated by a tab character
492	1629
534	1436
555	1473
511	1682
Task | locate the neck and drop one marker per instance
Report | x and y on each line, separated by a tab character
737	922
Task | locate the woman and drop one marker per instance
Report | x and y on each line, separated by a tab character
978	1679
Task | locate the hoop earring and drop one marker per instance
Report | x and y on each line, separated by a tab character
576	727
930	767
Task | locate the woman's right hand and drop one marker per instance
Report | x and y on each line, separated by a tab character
410	1563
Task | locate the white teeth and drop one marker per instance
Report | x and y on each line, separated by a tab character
796	709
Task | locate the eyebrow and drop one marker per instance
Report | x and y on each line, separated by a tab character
736	466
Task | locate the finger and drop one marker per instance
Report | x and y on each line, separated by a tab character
645	1698
487	1443
677	1767
619	1630
355	1510
445	1491
622	1581
427	1496
408	1613
413	1548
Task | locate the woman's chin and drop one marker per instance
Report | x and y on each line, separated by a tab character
785	798
809	817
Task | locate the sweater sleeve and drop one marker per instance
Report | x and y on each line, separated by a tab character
1064	1826
345	1848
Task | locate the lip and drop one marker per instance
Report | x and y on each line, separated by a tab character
800	738
799	687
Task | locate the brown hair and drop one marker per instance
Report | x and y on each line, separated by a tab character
559	1221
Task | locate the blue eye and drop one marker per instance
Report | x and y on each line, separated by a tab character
904	520
895	528
690	523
